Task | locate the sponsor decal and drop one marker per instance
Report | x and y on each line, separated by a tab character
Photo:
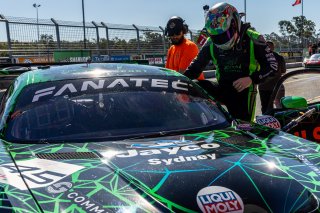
216	199
160	144
269	55
37	173
27	61
245	127
310	133
100	84
202	39
30	60
267	120
85	203
181	159
170	151
171	148
60	187
155	60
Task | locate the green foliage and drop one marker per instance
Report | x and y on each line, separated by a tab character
3	46
299	27
47	40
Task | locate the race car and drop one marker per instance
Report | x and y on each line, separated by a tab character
299	111
312	62
134	138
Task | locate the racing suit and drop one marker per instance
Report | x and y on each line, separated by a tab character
249	57
266	88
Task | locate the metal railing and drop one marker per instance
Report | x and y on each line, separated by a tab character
102	39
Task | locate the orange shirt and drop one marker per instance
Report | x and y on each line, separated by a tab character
180	56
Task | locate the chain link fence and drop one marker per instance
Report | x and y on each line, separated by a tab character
49	40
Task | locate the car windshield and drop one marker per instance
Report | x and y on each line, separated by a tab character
315	57
110	109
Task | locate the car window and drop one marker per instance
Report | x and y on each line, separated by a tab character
315	57
303	85
109	108
4	98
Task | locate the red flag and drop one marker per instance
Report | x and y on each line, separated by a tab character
297	2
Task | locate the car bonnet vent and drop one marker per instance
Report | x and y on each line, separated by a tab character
68	155
236	139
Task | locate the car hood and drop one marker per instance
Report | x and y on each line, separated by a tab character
314	61
220	171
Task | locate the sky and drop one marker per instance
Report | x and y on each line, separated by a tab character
264	15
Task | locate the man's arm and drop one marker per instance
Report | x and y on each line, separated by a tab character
282	64
266	59
199	63
168	58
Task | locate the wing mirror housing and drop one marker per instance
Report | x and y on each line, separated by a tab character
293	102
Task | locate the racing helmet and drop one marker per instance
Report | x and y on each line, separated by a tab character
175	25
223	25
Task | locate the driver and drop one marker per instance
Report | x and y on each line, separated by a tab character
241	57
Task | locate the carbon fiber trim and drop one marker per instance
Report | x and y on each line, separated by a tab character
68	155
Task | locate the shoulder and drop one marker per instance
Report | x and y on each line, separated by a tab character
171	48
256	37
190	43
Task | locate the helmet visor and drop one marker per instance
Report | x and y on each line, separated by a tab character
223	37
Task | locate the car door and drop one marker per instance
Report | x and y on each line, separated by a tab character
302	94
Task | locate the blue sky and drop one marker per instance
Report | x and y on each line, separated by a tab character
264	15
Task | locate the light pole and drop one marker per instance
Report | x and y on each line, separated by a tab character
84	26
245	11
37	6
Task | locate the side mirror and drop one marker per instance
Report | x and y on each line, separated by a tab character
293	102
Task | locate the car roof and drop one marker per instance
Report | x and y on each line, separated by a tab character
84	71
79	71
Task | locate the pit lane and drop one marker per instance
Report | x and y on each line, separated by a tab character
307	86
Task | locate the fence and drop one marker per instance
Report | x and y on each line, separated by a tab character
43	40
48	40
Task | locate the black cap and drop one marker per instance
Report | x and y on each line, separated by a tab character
174	26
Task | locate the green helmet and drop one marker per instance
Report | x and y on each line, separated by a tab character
223	25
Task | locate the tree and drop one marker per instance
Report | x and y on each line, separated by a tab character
275	38
299	27
151	42
47	40
152	36
4	46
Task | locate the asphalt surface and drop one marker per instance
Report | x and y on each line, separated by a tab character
306	86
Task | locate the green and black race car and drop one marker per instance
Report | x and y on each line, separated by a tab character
132	138
299	110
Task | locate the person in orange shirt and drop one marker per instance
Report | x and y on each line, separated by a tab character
182	51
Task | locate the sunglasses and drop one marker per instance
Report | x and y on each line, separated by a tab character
173	32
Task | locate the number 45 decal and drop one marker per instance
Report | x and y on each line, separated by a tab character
41	173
